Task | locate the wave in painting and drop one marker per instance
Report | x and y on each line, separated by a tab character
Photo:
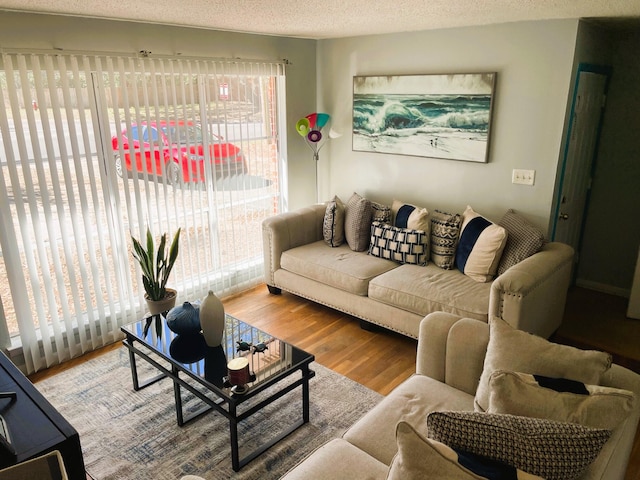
444	126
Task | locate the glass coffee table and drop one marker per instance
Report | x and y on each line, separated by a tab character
276	369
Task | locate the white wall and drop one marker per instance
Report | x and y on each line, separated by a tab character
533	61
46	32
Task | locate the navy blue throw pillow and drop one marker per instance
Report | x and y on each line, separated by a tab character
485	467
562	385
402	217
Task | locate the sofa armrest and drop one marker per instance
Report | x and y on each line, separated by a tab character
531	295
621	443
289	230
451	349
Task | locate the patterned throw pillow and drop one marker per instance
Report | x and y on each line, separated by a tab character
480	246
558	399
333	225
401	245
419	458
550	449
516	350
357	223
523	240
381	213
445	228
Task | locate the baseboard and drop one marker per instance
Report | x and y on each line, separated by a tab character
601	287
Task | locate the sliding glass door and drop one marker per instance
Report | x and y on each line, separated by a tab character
96	149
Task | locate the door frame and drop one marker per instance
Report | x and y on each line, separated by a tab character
605	70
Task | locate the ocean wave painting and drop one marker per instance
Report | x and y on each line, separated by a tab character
440	116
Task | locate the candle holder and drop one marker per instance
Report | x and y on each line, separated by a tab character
239	375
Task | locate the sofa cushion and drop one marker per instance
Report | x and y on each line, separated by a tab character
422	458
339	267
445	230
357	222
401	245
422	290
338	460
516	350
550	449
523	240
480	246
411	401
333	225
540	397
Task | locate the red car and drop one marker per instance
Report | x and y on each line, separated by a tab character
175	150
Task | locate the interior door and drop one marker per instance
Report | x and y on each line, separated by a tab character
584	130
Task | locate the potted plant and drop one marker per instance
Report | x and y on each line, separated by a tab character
156	267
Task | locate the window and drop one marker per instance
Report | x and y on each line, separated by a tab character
96	149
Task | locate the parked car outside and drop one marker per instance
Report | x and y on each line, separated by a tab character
175	150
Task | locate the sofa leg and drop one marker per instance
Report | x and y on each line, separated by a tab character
274	290
368	326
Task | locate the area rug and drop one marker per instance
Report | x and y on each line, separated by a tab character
134	435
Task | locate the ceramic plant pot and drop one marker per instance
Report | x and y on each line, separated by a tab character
212	319
157	307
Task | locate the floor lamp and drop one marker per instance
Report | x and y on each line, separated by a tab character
310	128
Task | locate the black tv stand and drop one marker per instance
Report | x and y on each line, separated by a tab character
34	426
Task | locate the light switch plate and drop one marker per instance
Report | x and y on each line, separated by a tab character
523	177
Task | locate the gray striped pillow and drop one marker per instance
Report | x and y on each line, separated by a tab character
357	223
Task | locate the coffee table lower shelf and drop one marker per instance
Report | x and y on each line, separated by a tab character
232	404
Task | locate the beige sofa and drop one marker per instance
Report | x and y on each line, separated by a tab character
530	295
450	357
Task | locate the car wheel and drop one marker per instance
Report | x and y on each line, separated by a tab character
120	170
173	173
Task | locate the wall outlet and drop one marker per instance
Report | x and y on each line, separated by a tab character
523	177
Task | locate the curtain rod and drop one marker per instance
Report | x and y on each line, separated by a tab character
141	54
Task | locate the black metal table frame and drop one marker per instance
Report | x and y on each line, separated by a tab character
232	413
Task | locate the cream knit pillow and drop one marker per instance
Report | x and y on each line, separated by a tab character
528	395
516	350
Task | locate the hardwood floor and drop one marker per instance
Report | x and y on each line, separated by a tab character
599	321
377	359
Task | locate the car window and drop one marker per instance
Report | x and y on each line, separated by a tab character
195	133
175	134
135	133
150	135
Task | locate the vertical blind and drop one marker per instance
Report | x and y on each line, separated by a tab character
96	149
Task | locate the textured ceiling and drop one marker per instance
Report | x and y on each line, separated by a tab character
331	18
